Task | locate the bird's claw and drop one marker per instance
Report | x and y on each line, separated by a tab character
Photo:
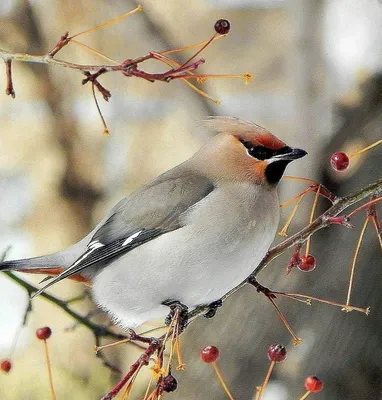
182	311
212	308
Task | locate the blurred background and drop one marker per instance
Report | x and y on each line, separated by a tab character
317	84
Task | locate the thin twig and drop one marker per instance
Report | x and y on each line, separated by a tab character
323	221
98	330
9	90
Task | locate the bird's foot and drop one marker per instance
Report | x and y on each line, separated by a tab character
179	309
212	308
260	288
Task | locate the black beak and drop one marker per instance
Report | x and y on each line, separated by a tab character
290	154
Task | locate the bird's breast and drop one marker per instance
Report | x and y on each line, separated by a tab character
223	238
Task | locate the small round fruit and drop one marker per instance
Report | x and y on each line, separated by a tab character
43	333
222	26
339	161
209	354
6	365
277	352
313	384
169	383
307	263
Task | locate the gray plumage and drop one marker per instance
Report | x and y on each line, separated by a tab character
190	235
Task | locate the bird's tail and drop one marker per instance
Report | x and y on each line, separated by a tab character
51	265
33	265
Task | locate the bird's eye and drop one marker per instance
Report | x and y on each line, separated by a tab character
260	152
264	153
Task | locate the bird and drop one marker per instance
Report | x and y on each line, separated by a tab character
189	236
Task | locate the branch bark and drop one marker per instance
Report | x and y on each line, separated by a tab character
323	221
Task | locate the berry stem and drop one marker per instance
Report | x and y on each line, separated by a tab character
201	78
257	392
355	260
305	396
200	50
171	355
94	51
372	215
307	300
364	206
378	230
181	364
266	380
284	230
129	386
201	92
174	64
192	46
356	153
314	184
296	340
306	191
51	387
105	128
299	178
129	339
148	388
110	22
221	380
314	206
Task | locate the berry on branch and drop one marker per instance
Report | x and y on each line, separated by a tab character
277	353
307	263
222	26
43	333
169	383
209	354
313	384
339	161
6	365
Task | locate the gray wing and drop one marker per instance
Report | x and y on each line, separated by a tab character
152	211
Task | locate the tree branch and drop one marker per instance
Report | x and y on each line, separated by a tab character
323	221
98	330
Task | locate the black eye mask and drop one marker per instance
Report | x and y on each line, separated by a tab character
264	153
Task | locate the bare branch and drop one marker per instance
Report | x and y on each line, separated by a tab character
98	330
9	90
323	221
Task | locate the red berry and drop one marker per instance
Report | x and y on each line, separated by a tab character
339	161
43	333
6	365
209	354
222	26
277	352
307	263
313	384
169	383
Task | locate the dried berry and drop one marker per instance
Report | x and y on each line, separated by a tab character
307	263
313	384
339	161
43	333
277	352
209	354
6	365
169	383
222	26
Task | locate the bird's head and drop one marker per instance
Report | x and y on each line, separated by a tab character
243	151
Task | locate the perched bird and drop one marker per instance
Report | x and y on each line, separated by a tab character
190	235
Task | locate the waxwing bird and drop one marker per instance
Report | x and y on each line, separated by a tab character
190	235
